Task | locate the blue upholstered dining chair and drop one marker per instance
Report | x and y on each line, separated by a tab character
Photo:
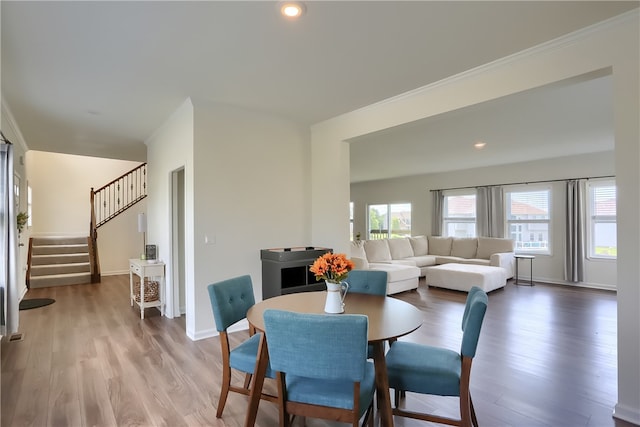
367	282
230	300
321	365
438	371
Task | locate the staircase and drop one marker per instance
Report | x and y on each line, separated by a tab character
58	261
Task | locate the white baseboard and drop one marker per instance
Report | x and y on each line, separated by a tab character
601	286
115	273
626	413
242	325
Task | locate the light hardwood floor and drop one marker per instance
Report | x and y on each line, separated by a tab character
546	357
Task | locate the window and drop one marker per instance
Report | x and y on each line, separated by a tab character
527	215
29	206
459	214
601	211
389	221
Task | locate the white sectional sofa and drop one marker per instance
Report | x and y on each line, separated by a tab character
406	259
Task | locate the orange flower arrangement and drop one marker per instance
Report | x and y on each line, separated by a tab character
332	267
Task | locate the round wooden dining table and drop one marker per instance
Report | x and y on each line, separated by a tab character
389	318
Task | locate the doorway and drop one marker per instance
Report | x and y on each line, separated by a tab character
177	239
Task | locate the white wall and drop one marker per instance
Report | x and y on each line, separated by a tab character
252	193
247	187
416	190
61	185
171	148
612	45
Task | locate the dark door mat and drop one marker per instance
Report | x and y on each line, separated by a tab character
28	304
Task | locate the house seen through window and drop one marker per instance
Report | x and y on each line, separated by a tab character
602	228
459	214
527	216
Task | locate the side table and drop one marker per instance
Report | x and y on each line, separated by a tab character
530	258
143	269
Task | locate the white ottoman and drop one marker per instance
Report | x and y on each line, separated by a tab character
461	277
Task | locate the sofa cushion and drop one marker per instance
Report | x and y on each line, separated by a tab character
357	249
464	247
423	260
448	259
492	245
420	245
377	250
475	261
440	245
400	248
407	261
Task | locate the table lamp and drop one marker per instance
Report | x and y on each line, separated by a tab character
142	228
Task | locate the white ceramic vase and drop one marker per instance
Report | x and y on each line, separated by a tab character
335	297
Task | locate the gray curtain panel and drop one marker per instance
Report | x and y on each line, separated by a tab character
8	245
436	214
490	211
574	245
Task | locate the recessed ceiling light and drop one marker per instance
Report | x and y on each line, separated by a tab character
292	9
479	145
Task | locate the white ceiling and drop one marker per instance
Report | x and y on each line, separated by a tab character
567	118
97	78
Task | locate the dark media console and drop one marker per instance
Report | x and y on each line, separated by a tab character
286	270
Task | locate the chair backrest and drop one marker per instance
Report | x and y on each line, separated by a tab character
317	345
474	310
367	282
230	300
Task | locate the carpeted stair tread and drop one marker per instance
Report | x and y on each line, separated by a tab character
59	280
59	249
49	269
59	259
62	240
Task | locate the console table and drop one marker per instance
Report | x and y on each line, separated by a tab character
530	258
143	269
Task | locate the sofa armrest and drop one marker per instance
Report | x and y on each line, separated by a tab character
505	260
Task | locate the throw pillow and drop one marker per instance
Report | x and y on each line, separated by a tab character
420	245
377	250
439	245
400	248
464	247
357	249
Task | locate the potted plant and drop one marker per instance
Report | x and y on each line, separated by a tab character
21	220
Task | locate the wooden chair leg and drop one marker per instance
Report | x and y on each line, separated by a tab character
398	395
224	392
474	419
465	408
247	381
370	416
